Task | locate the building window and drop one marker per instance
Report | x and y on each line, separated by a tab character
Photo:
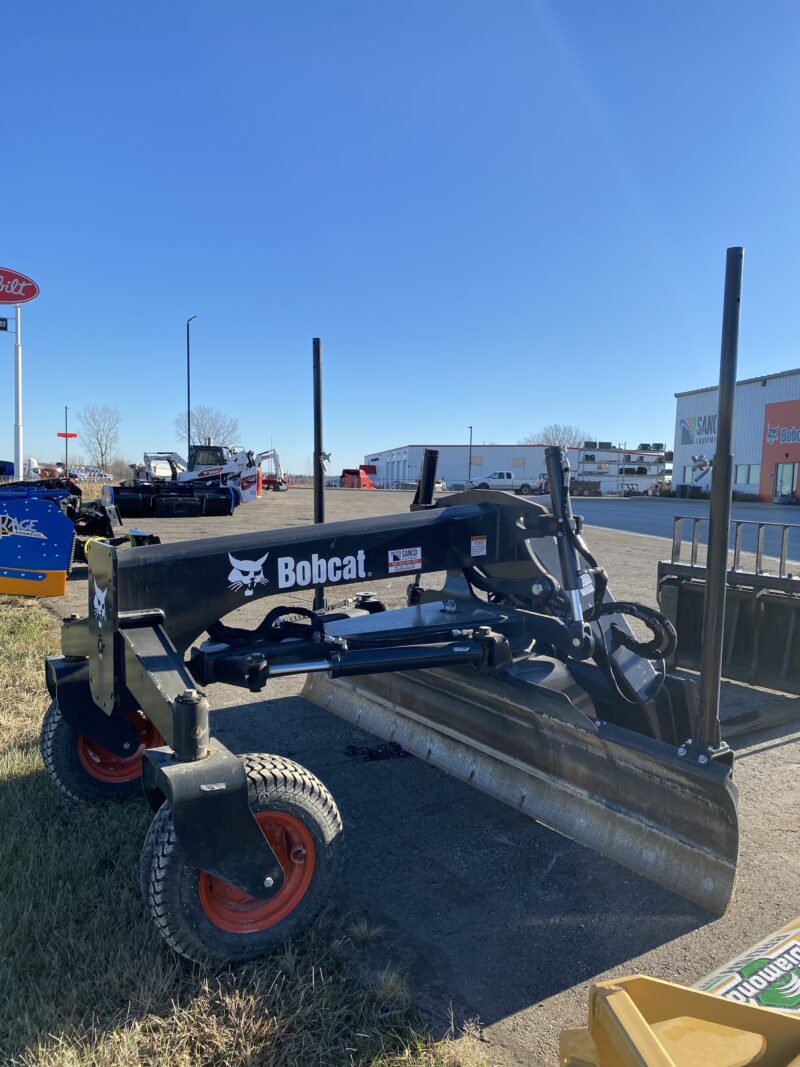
590	457
748	474
687	473
477	461
518	461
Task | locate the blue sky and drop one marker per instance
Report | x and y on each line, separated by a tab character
501	213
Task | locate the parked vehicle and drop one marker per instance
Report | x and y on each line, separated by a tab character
357	477
585	487
504	480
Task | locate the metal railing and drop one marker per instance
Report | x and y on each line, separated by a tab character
788	570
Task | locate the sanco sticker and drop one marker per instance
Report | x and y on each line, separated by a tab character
404	559
477	545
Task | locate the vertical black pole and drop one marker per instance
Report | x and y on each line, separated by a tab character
319	468
720	509
426	487
188	391
469	459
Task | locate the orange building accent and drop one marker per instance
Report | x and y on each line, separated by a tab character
780	455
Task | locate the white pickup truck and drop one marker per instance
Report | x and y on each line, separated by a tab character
507	480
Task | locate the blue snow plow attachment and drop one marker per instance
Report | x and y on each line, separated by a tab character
45	527
36	541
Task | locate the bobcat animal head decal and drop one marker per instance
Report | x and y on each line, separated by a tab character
99	603
246	574
772	434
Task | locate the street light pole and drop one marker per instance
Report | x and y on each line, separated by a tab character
469	461
66	443
188	389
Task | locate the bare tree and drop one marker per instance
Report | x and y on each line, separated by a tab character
557	434
100	431
120	469
209	424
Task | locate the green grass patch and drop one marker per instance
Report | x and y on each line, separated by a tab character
85	981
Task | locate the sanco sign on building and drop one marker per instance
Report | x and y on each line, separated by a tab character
698	429
781	451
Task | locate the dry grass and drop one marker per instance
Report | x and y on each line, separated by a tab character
84	982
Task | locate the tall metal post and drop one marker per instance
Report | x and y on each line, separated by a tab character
66	443
18	454
188	390
720	509
319	456
469	460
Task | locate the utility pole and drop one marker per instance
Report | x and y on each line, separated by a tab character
66	443
469	461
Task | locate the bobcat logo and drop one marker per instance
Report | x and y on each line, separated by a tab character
246	574
99	603
772	434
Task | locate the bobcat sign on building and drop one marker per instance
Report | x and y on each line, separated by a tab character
766	437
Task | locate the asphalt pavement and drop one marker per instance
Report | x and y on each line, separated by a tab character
490	914
655	517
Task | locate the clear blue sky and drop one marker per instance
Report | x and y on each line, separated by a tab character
501	213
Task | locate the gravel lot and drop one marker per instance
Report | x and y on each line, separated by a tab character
492	915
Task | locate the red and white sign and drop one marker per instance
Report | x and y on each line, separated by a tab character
16	288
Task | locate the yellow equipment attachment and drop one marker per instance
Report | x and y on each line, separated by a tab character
747	1012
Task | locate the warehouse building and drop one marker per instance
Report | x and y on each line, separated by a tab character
400	467
766	437
611	469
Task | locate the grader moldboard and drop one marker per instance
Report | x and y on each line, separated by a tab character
520	676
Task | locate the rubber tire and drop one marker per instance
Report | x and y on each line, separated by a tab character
58	744
170	884
483	485
524	490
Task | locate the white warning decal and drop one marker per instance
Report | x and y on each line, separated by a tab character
405	559
477	545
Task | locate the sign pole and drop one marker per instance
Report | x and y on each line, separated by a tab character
18	457
66	443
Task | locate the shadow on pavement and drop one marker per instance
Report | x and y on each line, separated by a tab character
486	910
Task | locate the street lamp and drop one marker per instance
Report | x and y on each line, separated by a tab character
469	461
188	390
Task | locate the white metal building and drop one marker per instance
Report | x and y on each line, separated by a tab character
614	468
396	467
766	436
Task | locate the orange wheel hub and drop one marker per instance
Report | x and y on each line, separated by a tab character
237	912
106	767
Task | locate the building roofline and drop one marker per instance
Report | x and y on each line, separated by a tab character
744	381
466	445
570	448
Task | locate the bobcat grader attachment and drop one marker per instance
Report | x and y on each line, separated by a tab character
521	676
